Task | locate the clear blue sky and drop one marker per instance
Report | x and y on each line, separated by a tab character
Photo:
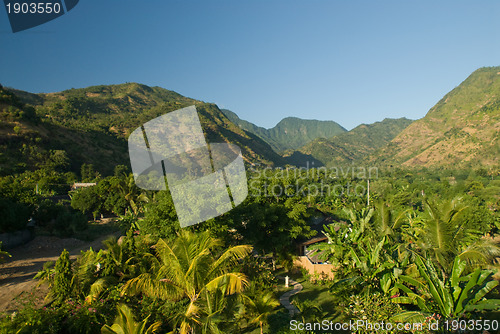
349	61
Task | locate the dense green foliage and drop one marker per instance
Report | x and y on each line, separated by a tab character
201	279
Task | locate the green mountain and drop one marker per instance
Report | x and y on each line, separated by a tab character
461	130
290	132
349	147
91	125
252	128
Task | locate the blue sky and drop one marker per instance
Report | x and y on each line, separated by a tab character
348	61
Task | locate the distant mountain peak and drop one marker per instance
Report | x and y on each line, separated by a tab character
291	132
348	147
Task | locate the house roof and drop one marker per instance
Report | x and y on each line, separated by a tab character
315	256
313	240
318	226
80	185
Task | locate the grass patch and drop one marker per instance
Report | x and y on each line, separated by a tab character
320	294
96	230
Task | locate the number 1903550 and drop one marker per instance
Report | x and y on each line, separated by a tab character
33	8
471	325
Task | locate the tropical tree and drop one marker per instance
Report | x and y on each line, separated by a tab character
271	227
46	274
443	235
361	223
372	269
125	324
387	221
187	268
212	315
63	275
121	260
337	247
309	310
260	306
135	198
365	251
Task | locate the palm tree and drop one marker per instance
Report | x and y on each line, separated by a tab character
118	262
125	324
443	235
260	307
131	193
387	221
187	268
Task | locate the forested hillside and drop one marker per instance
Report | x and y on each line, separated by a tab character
91	125
349	147
462	129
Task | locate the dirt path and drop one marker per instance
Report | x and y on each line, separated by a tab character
16	275
285	298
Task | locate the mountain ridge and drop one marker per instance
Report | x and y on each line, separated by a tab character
349	147
462	129
290	132
91	125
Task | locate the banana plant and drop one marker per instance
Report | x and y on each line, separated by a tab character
373	268
336	249
361	222
453	296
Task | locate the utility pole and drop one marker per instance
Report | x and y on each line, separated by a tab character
368	193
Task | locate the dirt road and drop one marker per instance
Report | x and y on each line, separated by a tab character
16	275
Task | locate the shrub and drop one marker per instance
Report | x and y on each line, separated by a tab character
62	277
59	219
3	254
374	308
14	215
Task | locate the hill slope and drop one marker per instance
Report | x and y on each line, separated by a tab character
290	132
349	147
91	125
462	129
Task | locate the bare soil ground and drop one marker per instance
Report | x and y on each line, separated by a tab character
16	275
